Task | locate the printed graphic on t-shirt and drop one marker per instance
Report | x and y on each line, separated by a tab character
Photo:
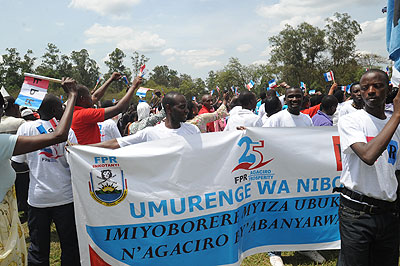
392	149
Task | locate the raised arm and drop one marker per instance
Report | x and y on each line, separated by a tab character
99	93
27	144
122	104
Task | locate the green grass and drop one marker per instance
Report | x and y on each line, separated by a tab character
262	259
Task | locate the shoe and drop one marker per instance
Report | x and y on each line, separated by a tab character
314	255
276	261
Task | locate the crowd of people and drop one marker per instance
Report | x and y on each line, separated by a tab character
367	120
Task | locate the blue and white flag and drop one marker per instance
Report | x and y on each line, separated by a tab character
250	85
311	92
141	92
302	85
272	84
329	76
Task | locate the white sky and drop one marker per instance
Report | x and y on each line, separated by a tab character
192	36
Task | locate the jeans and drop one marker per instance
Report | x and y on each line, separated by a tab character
368	239
39	222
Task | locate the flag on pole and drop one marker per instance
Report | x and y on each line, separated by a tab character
250	85
217	89
141	70
343	88
212	92
141	92
32	92
311	92
302	85
348	88
194	98
272	84
98	79
233	89
329	76
236	91
125	79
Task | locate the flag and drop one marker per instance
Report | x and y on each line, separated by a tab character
125	79
348	88
141	92
384	9
329	76
366	69
141	70
217	89
272	84
233	89
343	88
194	98
250	85
98	79
311	92
114	100
47	126
212	92
302	85
236	91
32	92
61	98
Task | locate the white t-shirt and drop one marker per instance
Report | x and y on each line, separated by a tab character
7	174
347	108
285	119
159	131
10	124
243	117
108	130
261	111
50	177
379	180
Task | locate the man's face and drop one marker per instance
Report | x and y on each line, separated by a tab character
207	101
356	93
373	90
294	100
179	111
86	100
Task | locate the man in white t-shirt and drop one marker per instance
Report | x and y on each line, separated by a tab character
50	190
244	116
176	111
290	117
368	217
356	102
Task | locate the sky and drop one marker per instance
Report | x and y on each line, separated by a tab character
192	36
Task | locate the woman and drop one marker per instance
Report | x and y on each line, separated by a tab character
12	240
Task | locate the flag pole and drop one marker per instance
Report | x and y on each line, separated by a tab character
42	77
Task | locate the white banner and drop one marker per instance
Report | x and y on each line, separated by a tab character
207	199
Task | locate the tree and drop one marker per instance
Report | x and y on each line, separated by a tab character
296	52
341	32
115	63
85	69
50	62
370	60
164	76
10	71
137	61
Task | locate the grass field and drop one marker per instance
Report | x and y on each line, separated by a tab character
289	258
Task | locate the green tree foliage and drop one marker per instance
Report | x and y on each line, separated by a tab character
137	61
296	53
164	76
85	69
12	69
115	63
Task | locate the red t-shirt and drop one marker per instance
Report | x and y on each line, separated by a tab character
84	124
210	126
312	110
